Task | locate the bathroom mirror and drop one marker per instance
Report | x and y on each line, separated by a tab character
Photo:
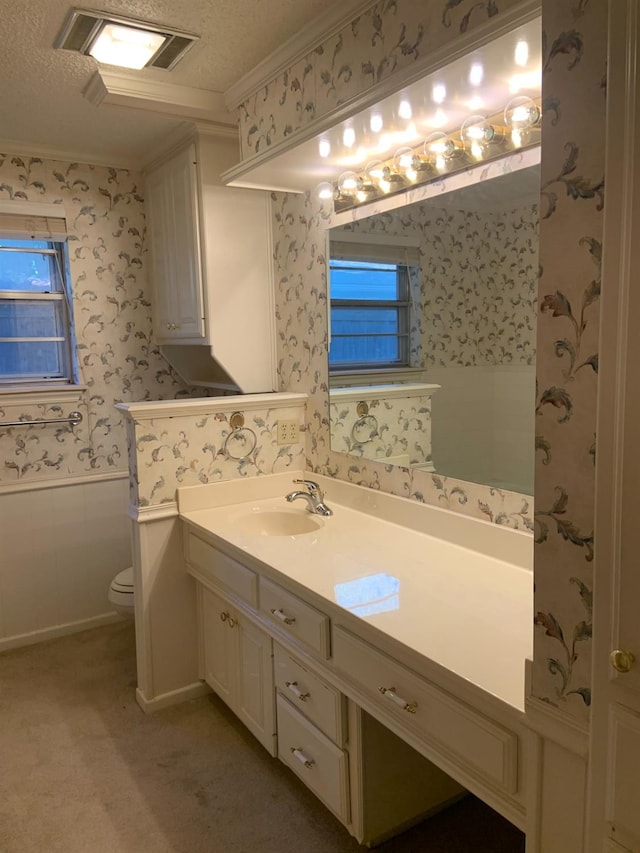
454	283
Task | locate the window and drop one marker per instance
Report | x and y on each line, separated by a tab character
370	306
35	314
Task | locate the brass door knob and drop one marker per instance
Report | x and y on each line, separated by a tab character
622	661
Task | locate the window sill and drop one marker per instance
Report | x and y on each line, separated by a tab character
33	394
346	378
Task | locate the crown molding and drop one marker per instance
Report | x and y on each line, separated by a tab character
21	148
125	90
324	27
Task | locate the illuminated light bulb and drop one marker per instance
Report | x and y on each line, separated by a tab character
521	114
439	93
406	161
404	110
374	171
349	137
348	184
325	191
403	163
476	134
324	148
521	53
439	149
376	123
476	73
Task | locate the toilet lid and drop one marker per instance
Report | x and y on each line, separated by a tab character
123	581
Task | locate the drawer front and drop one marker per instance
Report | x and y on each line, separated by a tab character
455	729
320	702
223	570
314	758
295	617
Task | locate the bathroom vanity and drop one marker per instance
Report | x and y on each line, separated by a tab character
379	652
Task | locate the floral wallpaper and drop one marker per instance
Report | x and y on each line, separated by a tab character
390	36
386	39
397	429
475	296
571	222
169	452
117	360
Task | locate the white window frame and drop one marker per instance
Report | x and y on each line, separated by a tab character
41	222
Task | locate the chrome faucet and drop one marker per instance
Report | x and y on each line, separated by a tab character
313	495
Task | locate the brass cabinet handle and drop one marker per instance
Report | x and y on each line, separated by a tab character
231	622
621	660
224	616
282	616
390	693
293	687
302	758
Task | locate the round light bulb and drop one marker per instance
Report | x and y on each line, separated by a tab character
348	184
521	113
325	191
439	149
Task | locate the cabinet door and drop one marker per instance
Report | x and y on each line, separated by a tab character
173	208
219	646
255	698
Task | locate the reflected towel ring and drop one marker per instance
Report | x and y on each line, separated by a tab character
235	444
365	429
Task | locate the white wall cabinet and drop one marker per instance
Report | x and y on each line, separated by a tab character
172	211
212	267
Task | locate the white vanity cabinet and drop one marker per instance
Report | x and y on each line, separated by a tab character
237	665
266	652
212	268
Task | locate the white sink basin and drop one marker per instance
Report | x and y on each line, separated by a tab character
278	522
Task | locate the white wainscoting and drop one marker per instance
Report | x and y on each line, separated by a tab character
62	544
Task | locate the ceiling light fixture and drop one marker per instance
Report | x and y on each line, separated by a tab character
123	42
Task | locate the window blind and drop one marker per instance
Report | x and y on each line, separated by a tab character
24	226
380	253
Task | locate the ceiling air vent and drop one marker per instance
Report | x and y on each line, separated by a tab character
83	27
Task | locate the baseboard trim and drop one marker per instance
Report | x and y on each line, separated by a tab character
39	636
174	697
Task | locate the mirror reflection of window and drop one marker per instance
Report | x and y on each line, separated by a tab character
371	306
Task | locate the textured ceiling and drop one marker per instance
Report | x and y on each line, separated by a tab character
42	106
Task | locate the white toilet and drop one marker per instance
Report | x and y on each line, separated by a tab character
121	592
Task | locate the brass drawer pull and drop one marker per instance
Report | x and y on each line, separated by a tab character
232	622
224	616
293	687
390	693
282	616
302	758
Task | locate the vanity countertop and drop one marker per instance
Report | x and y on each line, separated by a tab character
448	587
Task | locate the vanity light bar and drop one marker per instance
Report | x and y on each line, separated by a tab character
480	139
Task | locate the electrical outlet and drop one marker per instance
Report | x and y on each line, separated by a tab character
288	432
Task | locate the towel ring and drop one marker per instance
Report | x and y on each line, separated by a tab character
235	444
365	429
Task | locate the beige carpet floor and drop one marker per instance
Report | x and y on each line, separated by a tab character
83	770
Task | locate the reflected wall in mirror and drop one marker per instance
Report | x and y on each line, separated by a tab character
458	393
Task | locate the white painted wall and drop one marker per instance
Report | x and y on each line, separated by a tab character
61	547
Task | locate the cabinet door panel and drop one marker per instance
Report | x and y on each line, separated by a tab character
255	691
219	640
